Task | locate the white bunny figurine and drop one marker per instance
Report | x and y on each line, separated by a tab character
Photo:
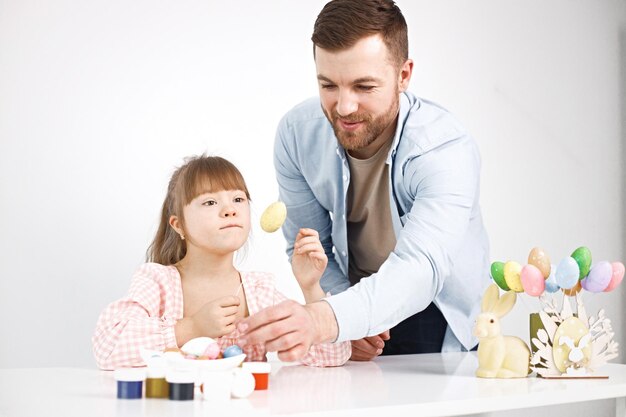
499	356
576	354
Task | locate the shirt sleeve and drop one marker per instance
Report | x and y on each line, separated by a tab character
134	322
303	208
324	354
443	184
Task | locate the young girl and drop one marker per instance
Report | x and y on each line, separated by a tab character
190	287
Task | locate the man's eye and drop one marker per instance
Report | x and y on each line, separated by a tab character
328	86
365	87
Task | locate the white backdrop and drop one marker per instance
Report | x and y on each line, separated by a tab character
100	100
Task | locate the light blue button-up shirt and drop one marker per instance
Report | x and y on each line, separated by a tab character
442	247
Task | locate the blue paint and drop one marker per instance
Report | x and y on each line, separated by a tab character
129	390
231	351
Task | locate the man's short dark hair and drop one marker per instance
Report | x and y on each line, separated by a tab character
342	23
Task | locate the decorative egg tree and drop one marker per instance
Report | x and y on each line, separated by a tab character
564	344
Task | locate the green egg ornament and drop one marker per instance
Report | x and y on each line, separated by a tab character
497	273
582	256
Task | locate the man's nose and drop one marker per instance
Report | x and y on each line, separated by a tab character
347	103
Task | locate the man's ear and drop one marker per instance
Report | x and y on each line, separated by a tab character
404	76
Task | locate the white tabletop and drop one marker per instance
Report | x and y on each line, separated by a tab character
425	385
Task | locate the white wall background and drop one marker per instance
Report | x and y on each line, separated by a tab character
100	100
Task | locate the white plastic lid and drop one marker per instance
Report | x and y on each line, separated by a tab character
257	367
130	374
156	367
181	376
243	383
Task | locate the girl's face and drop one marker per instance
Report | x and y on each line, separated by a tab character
218	222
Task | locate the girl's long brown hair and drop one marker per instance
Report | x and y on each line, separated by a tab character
199	174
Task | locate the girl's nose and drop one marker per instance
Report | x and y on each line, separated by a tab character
229	210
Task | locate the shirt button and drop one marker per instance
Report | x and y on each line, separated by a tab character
345	178
343	253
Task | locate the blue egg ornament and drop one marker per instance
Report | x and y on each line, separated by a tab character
231	351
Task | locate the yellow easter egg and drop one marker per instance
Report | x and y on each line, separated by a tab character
512	271
273	217
568	337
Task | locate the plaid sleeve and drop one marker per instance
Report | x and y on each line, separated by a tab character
139	320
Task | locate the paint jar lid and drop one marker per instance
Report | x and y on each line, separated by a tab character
130	374
257	367
156	367
181	376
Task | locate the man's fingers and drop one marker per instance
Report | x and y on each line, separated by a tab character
386	335
293	354
375	341
365	346
266	316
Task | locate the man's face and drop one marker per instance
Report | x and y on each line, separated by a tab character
359	90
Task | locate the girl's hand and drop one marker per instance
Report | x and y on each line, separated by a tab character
308	262
216	318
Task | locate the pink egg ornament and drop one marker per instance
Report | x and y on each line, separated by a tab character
616	277
533	281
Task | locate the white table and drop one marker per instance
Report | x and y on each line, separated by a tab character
424	385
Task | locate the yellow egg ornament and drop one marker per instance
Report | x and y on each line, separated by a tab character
512	272
273	217
572	345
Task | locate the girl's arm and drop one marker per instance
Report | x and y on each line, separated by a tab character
145	318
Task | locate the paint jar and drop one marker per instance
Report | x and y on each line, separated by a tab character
217	385
181	384
156	385
129	382
243	383
261	373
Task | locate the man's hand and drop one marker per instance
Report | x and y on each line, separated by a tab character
289	328
308	263
368	348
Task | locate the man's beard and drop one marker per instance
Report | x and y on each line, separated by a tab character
368	133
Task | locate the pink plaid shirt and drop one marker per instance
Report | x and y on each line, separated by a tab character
145	318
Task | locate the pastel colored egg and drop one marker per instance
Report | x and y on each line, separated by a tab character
233	350
497	273
196	346
616	277
212	351
551	285
567	273
273	217
599	277
512	271
532	280
574	329
537	257
582	255
574	290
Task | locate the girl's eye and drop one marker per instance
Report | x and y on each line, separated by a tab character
209	203
239	199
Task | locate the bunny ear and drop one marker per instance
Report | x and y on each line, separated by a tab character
582	343
505	304
567	341
490	298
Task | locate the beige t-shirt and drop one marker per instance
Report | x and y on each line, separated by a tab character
370	231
